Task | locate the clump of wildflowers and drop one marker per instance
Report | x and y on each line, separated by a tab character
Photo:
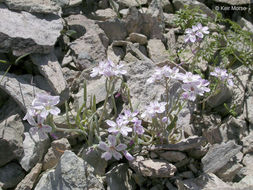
223	76
195	33
108	69
42	106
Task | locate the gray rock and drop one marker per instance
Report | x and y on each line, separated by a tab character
93	158
157	51
134	20
131	3
204	182
198	153
115	54
10	175
90	47
28	182
233	2
248	163
138	38
36	6
224	95
105	14
153	20
34	150
229	171
153	167
186	175
11	131
95	86
114	29
25	33
218	156
70	173
183	145
246	25
19	89
50	68
120	177
9	108
173	156
249	109
248	143
55	152
179	4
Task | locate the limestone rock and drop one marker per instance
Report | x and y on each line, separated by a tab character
55	152
179	4
157	51
119	177
153	167
248	143
206	181
10	175
173	156
131	3
219	155
105	14
30	179
93	158
25	33
11	131
19	89
115	29
249	109
138	38
233	2
50	68
70	173
91	44
183	145
37	6
34	150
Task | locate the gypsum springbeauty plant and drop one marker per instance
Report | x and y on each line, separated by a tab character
163	116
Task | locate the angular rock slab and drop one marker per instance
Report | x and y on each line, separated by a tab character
22	33
183	145
70	173
219	155
90	47
30	179
153	167
50	68
19	89
10	175
120	178
34	150
11	140
36	6
207	181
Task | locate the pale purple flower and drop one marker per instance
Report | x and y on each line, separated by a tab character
108	69
118	127
111	149
40	128
154	108
190	36
129	116
31	112
222	75
188	77
162	73
138	128
165	119
128	156
195	33
46	104
192	89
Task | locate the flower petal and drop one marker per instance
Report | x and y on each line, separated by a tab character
112	140
116	155
128	156
121	147
111	123
106	155
103	146
54	110
46	128
33	130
